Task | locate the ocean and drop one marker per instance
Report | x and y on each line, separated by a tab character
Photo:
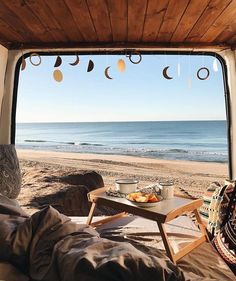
183	140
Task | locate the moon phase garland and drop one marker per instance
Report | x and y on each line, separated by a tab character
204	77
165	74
58	76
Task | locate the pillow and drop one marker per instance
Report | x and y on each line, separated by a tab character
207	198
217	206
10	273
225	243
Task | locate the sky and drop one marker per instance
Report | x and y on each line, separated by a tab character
141	93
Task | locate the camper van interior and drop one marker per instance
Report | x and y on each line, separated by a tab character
117	140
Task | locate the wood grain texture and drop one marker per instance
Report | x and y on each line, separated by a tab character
174	12
30	20
151	23
222	23
15	24
188	20
136	17
7	33
101	19
208	17
47	19
64	17
82	18
118	15
156	10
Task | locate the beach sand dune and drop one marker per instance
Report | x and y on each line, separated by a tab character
190	177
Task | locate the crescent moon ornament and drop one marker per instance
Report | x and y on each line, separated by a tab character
23	63
57	75
164	72
58	61
215	65
31	59
138	61
203	77
107	74
121	65
90	66
76	61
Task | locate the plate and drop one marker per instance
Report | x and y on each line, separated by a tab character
145	204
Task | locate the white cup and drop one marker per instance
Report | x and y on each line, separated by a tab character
167	189
126	185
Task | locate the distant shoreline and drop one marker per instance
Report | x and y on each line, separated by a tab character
122	121
110	155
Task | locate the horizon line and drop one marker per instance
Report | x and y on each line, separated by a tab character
121	121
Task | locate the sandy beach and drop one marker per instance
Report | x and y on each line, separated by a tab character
190	178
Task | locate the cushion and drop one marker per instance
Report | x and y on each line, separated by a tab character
225	243
10	273
218	204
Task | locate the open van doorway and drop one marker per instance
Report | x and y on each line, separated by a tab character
161	119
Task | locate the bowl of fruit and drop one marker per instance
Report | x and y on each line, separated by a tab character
144	200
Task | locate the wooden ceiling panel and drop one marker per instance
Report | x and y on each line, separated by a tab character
64	17
32	23
208	17
101	19
8	34
223	23
67	23
188	20
40	9
118	14
171	19
15	25
136	16
156	10
82	17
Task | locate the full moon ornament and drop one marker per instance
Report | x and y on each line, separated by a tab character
203	77
121	65
35	63
107	74
57	75
90	66
164	72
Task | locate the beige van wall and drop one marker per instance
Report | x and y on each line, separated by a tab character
3	66
6	101
230	58
10	58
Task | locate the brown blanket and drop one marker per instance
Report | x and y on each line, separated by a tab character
48	246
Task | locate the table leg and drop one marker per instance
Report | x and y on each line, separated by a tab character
166	242
201	225
91	213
